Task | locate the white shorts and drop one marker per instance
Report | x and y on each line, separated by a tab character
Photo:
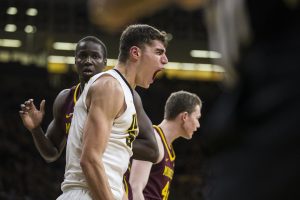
75	194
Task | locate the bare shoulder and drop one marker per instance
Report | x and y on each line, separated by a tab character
106	93
106	84
160	146
61	98
59	103
63	94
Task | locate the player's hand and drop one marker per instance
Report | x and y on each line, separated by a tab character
30	115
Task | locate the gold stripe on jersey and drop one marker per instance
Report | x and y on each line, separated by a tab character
168	172
159	130
68	125
125	186
75	93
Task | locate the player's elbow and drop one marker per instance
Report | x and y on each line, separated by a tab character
153	154
50	157
86	163
145	151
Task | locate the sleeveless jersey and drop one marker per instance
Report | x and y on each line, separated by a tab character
161	174
119	147
68	107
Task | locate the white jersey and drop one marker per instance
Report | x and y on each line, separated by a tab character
119	148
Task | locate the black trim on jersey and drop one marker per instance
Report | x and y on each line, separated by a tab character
124	79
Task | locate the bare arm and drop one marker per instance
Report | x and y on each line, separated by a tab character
50	144
145	145
124	196
103	109
140	171
139	175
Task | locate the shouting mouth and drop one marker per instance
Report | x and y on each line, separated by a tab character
155	74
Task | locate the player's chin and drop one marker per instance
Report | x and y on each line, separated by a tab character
145	86
190	136
187	136
87	75
86	78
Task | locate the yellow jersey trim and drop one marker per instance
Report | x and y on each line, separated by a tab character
75	93
162	135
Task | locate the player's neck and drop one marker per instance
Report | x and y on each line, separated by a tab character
170	130
128	73
81	87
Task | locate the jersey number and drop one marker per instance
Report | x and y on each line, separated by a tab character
165	191
132	131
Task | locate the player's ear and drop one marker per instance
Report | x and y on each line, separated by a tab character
135	52
183	116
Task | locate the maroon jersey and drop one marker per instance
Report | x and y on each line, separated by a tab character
68	107
161	174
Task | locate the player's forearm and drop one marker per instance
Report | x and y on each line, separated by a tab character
125	197
139	176
97	180
137	190
45	147
138	195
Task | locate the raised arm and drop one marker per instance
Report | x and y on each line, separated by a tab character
50	144
105	101
145	145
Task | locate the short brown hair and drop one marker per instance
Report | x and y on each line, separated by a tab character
181	101
138	35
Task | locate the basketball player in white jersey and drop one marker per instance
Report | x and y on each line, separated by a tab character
104	124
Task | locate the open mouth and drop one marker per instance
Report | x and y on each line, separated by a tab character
87	71
155	74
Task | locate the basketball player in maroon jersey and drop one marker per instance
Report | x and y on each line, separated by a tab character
181	119
90	59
